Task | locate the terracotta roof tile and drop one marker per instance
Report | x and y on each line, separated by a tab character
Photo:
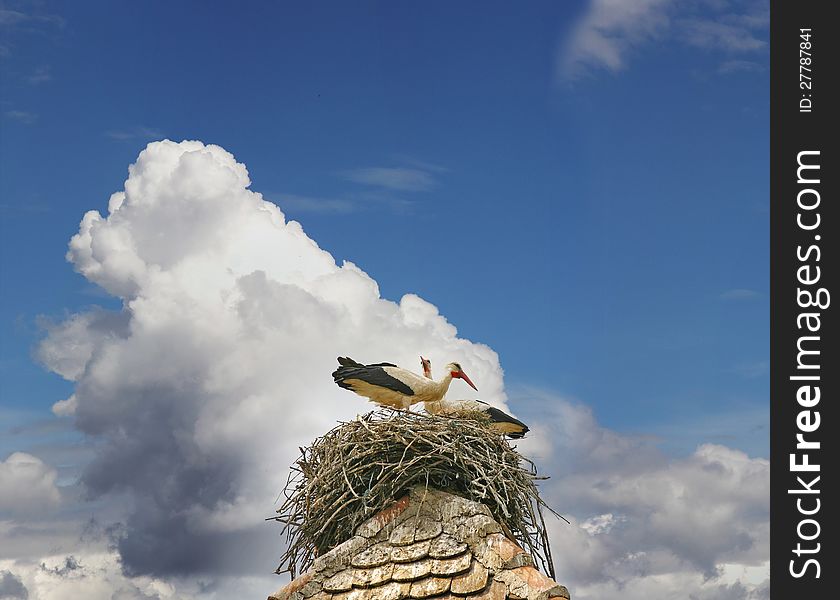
472	581
373	526
415	529
356	594
416	551
373	576
390	591
446	546
527	582
495	591
429	544
429	586
375	556
451	566
412	571
340	582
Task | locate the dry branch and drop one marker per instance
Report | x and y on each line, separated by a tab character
359	467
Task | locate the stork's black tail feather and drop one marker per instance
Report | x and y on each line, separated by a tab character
373	374
518	435
516	429
346	361
347	370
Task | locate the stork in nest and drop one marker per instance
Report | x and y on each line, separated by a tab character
499	420
388	385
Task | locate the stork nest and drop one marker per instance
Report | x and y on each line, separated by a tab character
359	467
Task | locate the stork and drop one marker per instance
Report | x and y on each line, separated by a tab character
499	420
388	385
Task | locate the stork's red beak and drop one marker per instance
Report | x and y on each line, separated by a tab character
463	376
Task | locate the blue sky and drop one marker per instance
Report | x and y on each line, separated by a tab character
605	232
580	186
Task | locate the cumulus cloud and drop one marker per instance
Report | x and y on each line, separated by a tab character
66	407
197	394
11	586
97	575
28	486
201	389
648	526
73	341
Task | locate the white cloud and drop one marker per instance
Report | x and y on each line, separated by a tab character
93	576
65	408
73	341
601	523
28	486
198	393
648	526
610	31
677	586
11	586
97	575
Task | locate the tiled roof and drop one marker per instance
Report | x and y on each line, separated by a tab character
427	544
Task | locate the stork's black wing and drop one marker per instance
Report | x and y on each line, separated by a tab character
346	361
372	374
498	416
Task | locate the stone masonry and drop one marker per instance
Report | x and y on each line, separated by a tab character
428	544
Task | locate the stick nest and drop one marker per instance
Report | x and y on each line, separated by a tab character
360	467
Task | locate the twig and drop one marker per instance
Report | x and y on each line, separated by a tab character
385	453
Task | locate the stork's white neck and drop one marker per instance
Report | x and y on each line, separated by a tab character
445	380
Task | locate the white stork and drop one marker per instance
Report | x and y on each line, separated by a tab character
387	384
499	420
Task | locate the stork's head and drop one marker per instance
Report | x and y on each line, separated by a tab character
457	372
427	366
